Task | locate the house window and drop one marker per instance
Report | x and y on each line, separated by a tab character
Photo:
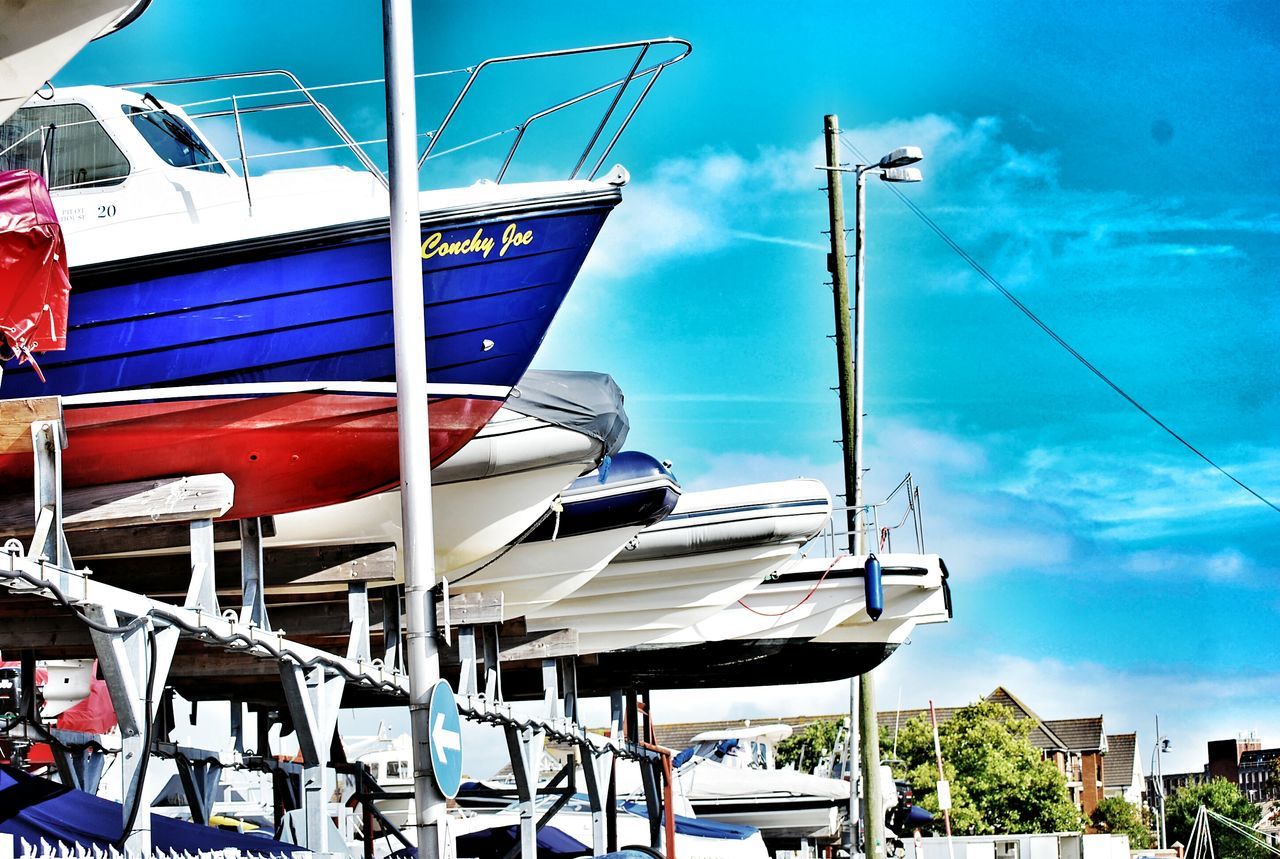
65	144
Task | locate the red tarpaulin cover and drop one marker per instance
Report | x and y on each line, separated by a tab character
91	715
34	283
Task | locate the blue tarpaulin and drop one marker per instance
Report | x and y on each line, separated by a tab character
552	843
698	826
33	808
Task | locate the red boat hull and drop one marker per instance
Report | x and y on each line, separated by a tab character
284	451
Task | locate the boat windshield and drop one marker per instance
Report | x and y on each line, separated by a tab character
63	143
172	139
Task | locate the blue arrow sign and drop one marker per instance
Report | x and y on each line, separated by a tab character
446	740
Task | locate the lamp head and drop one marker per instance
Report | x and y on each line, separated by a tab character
1165	744
901	157
902	174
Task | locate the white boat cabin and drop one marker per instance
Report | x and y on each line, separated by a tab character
748	747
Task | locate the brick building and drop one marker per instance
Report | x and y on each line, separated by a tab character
1076	746
1241	761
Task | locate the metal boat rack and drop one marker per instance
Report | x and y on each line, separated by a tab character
147	646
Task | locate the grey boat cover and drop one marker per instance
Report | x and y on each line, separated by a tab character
590	403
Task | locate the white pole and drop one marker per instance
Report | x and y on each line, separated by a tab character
411	402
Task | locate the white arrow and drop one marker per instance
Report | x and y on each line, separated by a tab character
444	739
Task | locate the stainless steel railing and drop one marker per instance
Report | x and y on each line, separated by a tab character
621	84
877	522
618	86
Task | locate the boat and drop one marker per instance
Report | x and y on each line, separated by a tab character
38	38
809	597
583	530
695	838
557	425
916	592
712	550
242	324
730	775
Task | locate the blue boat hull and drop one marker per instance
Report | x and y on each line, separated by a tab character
316	307
244	358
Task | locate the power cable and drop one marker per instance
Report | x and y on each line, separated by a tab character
1057	338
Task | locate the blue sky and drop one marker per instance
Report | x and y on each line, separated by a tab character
1113	164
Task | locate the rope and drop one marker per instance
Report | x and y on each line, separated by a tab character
1057	338
807	596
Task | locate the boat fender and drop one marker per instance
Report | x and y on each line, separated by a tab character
873	581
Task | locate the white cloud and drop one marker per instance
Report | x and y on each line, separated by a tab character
980	186
1142	498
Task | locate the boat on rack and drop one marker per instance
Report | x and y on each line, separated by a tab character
557	425
809	597
240	324
583	530
916	592
713	549
41	37
731	776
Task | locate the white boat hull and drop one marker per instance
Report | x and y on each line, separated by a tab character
39	38
632	603
532	576
484	497
799	603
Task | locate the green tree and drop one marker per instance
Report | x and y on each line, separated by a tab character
1225	798
1115	815
804	748
999	781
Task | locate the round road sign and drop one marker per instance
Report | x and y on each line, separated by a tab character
445	740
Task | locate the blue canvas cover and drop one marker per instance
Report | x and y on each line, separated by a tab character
552	843
698	826
33	808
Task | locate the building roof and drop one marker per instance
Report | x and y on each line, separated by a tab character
1119	770
1042	736
1048	735
679	735
1079	735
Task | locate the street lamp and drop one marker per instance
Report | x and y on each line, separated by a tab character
893	167
1161	747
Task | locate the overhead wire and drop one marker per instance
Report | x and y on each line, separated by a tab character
1053	335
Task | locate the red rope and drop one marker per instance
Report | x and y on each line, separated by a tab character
811	592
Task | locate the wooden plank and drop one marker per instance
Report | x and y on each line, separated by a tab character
473	609
540	645
295	569
150	537
173	499
17	416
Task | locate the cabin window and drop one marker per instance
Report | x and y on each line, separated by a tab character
173	140
65	144
394	769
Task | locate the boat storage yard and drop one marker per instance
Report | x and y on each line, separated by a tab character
204	503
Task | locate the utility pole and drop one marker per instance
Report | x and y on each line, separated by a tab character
411	405
850	376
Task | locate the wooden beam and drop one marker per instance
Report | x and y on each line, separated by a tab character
297	570
144	538
173	499
472	609
540	645
16	418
